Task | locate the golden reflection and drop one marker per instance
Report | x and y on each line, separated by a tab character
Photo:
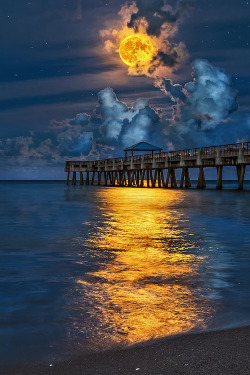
145	285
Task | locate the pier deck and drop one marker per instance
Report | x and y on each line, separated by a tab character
158	169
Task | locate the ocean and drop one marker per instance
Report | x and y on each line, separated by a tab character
89	268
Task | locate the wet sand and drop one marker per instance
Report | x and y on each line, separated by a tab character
212	353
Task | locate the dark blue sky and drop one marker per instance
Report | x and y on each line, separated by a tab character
53	66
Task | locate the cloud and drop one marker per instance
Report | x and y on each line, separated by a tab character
51	146
160	23
113	113
204	102
143	125
202	114
111	126
175	91
123	124
159	16
74	141
16	146
210	96
80	119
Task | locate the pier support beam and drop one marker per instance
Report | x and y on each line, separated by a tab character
74	178
201	179
110	178
68	178
121	182
130	178
105	178
119	178
134	178
162	178
167	179
185	178
241	175
113	178
182	178
159	177
147	177
123	179
153	178
138	178
93	178
127	178
99	178
173	178
81	178
142	178
219	177
87	178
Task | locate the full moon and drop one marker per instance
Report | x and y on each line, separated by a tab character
136	48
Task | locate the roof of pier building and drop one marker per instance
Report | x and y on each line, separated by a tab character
143	146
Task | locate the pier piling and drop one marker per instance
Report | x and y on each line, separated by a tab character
219	177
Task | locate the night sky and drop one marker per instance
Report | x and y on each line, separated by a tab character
64	94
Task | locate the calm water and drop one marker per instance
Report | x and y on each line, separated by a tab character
91	268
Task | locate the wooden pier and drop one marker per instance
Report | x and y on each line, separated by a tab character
159	168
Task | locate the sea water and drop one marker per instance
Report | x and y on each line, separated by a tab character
88	268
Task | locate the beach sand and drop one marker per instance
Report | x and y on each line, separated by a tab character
215	353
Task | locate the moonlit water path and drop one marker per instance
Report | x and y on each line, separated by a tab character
92	268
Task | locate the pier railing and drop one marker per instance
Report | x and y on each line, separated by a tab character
186	154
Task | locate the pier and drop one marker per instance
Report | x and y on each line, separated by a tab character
158	169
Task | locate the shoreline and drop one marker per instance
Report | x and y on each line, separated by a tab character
220	352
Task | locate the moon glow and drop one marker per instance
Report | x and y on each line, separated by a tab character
136	48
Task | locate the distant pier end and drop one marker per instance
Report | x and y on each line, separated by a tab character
157	168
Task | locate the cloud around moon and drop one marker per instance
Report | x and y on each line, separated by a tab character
159	23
